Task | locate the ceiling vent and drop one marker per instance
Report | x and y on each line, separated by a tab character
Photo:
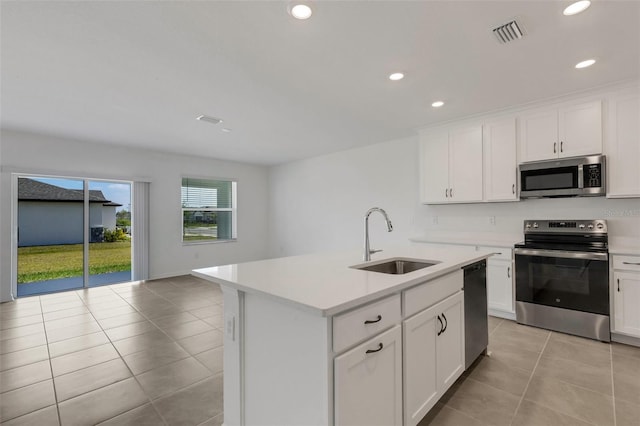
508	32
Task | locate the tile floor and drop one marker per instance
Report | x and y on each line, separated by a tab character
150	353
535	377
147	353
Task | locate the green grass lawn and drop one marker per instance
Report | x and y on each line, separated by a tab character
41	263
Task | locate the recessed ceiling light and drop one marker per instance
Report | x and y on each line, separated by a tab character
208	119
300	11
577	7
585	64
437	104
396	76
226	130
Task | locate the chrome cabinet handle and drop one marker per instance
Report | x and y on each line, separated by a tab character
631	263
554	147
561	146
509	272
378	319
446	192
618	285
451	192
380	346
513	188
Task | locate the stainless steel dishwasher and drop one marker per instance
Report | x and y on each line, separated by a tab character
476	328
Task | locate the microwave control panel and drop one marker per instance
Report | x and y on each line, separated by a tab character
592	175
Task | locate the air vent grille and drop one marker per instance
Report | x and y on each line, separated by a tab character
508	32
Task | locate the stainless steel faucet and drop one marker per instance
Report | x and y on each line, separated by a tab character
367	251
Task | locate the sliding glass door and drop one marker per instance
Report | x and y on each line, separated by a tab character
72	233
109	232
50	235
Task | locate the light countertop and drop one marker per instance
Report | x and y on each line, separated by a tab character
625	246
325	284
479	239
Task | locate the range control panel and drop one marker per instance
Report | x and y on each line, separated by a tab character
595	226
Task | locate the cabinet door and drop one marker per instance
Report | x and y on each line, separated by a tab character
626	302
500	160
500	285
450	344
434	167
580	129
623	147
368	382
419	356
465	164
539	136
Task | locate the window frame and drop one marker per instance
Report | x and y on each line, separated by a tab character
233	209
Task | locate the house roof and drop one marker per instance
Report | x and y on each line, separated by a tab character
33	190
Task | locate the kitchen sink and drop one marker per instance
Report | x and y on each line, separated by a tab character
396	266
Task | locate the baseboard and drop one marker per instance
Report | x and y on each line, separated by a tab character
502	314
627	340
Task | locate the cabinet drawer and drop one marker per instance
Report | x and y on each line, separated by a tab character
627	263
424	295
361	323
501	253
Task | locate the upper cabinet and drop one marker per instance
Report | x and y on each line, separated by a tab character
623	146
566	132
451	165
500	160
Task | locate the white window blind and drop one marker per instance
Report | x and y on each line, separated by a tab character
208	210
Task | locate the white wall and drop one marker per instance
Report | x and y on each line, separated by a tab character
31	153
319	204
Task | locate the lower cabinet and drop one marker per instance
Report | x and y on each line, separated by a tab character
368	382
626	295
433	343
500	285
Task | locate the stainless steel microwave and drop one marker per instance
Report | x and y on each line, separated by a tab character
567	177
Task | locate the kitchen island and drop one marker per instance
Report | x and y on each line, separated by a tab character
311	340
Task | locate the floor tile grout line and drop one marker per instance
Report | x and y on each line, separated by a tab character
613	385
125	364
526	388
135	377
193	356
53	382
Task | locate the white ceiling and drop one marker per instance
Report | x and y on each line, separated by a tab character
137	73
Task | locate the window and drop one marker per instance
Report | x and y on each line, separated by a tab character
208	210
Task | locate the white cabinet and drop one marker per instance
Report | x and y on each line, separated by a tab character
500	160
433	355
623	146
364	322
434	167
500	285
626	295
451	165
500	291
368	382
570	131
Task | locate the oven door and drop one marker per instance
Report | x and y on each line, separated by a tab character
564	279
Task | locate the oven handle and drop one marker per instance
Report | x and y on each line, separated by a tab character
562	254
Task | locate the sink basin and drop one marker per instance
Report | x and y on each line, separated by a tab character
396	266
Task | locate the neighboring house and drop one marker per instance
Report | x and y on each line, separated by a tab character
50	215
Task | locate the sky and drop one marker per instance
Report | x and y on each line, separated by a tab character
118	192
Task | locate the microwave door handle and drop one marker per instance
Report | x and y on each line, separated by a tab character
580	177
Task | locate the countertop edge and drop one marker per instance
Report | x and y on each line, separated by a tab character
420	277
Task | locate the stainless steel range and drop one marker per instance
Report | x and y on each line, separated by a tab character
562	277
